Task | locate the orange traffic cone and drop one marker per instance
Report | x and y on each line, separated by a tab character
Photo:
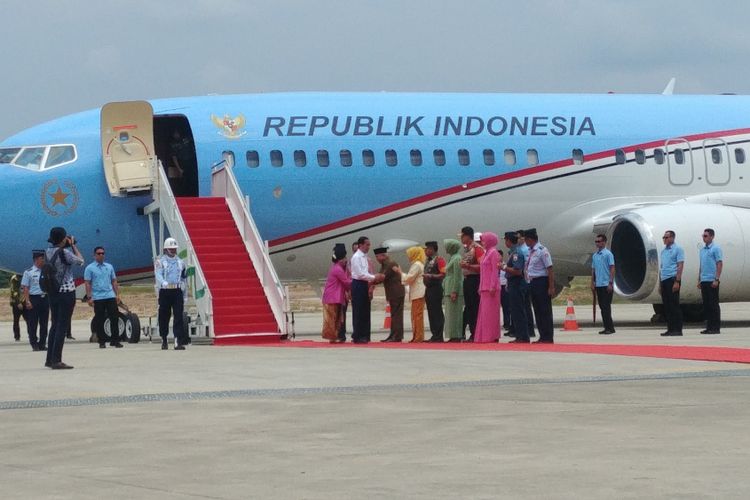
387	320
571	324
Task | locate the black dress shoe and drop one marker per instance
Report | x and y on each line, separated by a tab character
35	348
544	342
711	332
102	346
70	337
48	365
606	332
61	366
520	341
164	346
42	347
179	348
18	339
671	334
388	339
704	331
118	345
361	341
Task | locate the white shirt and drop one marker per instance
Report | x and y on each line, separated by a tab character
360	267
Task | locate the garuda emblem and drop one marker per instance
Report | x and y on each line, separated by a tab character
231	128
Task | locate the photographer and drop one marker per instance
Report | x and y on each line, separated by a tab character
63	254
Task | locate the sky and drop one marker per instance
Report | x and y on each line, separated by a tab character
60	57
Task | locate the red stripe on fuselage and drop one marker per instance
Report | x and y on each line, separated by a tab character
487	181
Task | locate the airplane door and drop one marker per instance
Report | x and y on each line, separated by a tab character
718	167
679	162
127	134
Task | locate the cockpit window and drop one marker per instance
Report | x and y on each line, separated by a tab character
33	157
7	154
30	158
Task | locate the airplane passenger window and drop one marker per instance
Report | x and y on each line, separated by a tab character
659	156
390	157
510	156
532	157
346	158
323	160
300	158
439	157
416	157
716	156
620	157
489	157
7	154
59	155
253	160
739	155
463	157
368	157
277	159
30	158
679	156
640	156
578	157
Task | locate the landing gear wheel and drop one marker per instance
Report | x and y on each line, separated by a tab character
132	328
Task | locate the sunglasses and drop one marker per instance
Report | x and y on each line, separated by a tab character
598	241
706	235
99	253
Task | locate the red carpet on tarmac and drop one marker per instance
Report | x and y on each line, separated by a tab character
696	353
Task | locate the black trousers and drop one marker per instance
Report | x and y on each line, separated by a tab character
471	301
671	301
35	317
342	328
711	306
517	310
103	309
526	293
17	315
604	297
61	308
542	304
433	297
360	311
171	301
505	306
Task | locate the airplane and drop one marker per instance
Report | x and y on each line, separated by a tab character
404	168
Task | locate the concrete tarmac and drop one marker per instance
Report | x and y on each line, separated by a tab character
342	423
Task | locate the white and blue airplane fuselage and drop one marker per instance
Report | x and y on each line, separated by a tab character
324	168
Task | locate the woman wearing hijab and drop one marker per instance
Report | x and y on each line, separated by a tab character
453	292
414	279
488	318
334	295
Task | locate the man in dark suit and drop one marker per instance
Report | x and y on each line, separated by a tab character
394	293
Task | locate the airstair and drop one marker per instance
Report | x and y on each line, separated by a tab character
234	290
235	294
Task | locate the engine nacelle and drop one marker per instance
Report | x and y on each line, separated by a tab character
635	240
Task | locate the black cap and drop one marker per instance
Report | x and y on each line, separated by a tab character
512	236
339	251
531	233
56	235
431	244
380	250
467	231
37	253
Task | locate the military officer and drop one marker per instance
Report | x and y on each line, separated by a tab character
394	293
516	285
170	274
541	278
36	303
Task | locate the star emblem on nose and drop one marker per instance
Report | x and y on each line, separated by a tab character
59	197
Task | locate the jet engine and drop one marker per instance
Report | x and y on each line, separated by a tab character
635	239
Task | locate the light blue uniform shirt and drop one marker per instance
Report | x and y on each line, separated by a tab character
31	280
600	263
100	276
169	272
538	262
710	256
670	257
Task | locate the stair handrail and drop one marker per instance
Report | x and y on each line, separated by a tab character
224	184
170	214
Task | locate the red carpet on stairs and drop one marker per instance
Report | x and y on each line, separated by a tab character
241	311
